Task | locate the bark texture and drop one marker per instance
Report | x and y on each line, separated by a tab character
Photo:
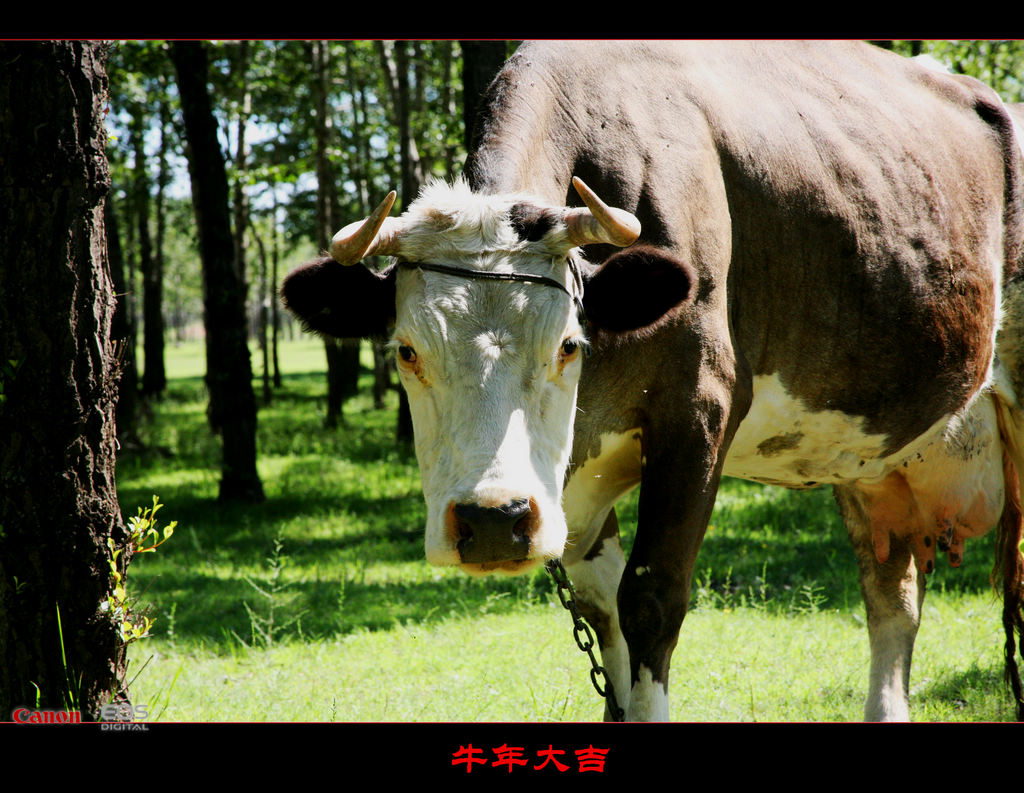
58	383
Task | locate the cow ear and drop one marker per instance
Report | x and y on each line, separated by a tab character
346	302
636	288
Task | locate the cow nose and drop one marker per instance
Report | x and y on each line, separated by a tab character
494	534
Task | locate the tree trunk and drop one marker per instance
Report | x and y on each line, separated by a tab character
275	324
163	179
240	204
359	168
412	179
263	317
58	384
232	409
447	101
153	375
342	354
122	332
481	62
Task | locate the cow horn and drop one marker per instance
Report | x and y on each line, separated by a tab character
599	222
377	234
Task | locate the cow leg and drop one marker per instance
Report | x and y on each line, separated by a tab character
685	435
893	592
655	591
653	599
595	578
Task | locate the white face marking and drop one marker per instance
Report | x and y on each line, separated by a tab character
493	418
491	386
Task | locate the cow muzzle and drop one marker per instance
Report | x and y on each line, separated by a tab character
494	535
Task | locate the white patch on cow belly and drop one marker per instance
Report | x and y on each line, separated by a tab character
955	473
953	470
783	442
648	700
595	486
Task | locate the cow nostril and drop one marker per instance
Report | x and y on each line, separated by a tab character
463	529
526	523
494	533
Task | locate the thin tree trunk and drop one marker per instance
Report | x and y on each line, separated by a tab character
360	171
395	65
412	178
324	219
481	61
153	374
122	333
342	354
240	204
264	312
412	164
162	180
232	409
58	378
275	320
414	64
448	100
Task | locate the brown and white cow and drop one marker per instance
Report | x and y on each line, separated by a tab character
827	231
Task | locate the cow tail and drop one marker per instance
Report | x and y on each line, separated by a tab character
1008	576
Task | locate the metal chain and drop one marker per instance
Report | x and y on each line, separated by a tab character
584	638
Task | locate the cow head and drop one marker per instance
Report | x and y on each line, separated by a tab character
482	307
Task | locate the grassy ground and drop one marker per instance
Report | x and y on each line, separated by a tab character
319	606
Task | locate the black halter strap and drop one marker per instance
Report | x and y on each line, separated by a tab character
465	272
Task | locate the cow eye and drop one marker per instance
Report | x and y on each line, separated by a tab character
569	349
407	353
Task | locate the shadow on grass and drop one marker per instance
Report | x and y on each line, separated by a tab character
770	545
220	612
344	504
347	507
973	688
223	557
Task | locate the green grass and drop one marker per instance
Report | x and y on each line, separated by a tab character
318	605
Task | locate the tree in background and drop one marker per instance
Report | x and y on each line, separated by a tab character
416	96
142	94
481	62
361	117
342	354
314	133
58	384
232	408
329	128
122	332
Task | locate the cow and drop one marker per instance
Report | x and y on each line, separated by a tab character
794	263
